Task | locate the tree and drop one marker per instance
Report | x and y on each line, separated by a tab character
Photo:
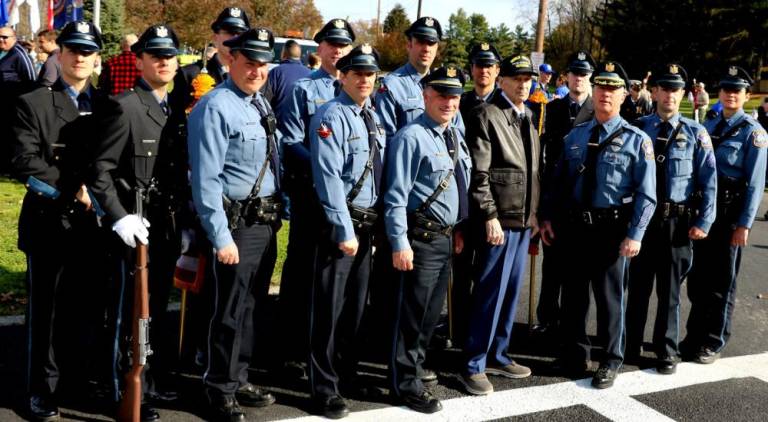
457	36
392	53
365	31
523	41
112	24
503	39
396	20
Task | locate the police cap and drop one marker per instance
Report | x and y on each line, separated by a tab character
672	75
581	63
159	40
363	57
80	35
611	74
256	44
517	65
736	78
337	31
233	20
445	80
426	29
484	54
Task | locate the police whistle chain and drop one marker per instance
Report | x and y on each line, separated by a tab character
130	406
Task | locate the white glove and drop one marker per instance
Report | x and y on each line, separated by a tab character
130	228
187	239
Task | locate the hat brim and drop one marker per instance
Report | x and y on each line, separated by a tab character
485	62
257	55
336	40
669	83
736	85
518	72
162	52
424	36
361	67
581	71
447	90
609	82
82	45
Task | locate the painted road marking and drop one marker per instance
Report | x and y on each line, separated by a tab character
615	403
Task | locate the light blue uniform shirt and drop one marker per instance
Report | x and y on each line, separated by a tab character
625	171
307	96
72	93
742	156
339	156
227	149
400	100
690	162
417	161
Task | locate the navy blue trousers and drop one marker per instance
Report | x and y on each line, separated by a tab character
495	298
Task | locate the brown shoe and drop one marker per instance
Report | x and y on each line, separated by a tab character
476	384
513	370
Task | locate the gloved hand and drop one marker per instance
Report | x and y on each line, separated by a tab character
131	227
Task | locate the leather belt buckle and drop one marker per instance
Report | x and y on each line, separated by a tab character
660	158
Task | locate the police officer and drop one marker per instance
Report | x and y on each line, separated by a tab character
235	187
485	60
740	151
505	196
635	105
562	115
425	196
231	22
136	152
686	185
57	225
346	148
606	199
334	41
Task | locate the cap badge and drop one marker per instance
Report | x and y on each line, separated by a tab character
429	22
338	23
581	56
673	69
263	35
366	49
161	31
609	67
83	27
733	71
484	46
234	12
451	72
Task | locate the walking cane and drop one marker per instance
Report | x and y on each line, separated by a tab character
533	251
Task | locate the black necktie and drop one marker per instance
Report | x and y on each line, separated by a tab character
83	103
272	155
458	174
165	107
373	144
574	110
717	133
589	176
660	147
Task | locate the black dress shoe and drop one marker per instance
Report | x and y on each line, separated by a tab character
250	396
226	409
705	355
666	365
148	413
428	376
333	407
43	409
424	402
604	377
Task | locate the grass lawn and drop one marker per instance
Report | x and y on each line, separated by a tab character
12	261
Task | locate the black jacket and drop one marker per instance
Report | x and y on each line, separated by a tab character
50	139
505	174
135	144
558	124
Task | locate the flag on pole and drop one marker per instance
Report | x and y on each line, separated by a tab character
34	13
49	15
3	13
65	11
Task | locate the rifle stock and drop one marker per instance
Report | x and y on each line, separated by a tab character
130	405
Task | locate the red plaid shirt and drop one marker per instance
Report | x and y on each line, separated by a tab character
119	73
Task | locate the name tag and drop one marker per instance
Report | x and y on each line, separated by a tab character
148	141
353	138
626	200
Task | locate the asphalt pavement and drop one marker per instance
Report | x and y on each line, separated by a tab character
735	388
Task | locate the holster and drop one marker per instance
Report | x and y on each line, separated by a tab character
363	219
425	229
245	213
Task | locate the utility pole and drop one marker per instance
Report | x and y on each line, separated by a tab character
378	19
418	11
540	26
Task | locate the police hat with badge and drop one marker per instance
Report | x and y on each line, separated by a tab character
736	79
233	20
363	57
336	31
426	29
80	35
517	65
255	44
157	40
484	54
446	80
581	63
611	74
672	76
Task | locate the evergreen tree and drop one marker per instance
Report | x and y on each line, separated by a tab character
396	20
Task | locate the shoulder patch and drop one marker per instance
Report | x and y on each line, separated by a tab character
648	149
324	131
704	139
759	138
383	89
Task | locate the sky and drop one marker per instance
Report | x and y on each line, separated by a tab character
495	11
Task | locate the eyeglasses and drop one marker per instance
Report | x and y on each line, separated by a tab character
5	37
